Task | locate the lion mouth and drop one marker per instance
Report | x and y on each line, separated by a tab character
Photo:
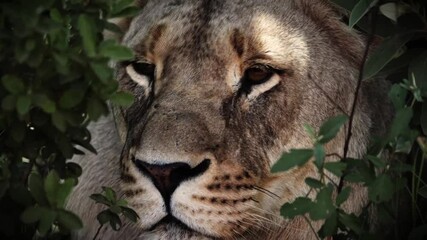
170	220
172	224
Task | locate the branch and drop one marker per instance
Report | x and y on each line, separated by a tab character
373	16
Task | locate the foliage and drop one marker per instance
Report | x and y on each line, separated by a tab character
54	80
389	178
115	208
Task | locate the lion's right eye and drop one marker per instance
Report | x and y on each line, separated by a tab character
141	72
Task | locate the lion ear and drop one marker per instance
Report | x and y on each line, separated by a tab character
123	22
329	18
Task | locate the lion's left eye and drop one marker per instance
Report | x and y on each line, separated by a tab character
141	72
260	78
258	74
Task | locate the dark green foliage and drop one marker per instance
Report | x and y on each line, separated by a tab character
55	80
115	206
395	179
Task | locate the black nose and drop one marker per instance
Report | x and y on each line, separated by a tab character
167	177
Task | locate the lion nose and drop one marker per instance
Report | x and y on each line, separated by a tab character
167	177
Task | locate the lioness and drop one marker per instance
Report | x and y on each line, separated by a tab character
222	88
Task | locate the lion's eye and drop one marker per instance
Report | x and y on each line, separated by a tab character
141	72
258	74
260	78
144	68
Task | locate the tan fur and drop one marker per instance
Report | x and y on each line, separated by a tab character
201	50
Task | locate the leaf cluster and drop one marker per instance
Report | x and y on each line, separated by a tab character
55	79
116	207
393	170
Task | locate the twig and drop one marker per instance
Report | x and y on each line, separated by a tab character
358	87
311	227
97	231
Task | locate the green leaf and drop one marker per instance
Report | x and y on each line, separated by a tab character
379	163
113	28
71	98
384	54
323	206
359	171
114	51
115	222
122	203
64	191
330	128
310	130
127	12
9	102
42	101
394	10
314	183
56	15
343	196
381	190
122	99
296	157
23	104
361	8
337	168
69	220
351	221
13	84
99	198
330	226
130	214
116	209
31	215
110	194
104	216
87	31
46	220
59	122
96	108
400	122
35	184
51	185
397	96
300	206
102	70
319	155
118	6
74	170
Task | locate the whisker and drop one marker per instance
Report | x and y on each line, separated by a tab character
247	230
266	192
263	219
261	210
252	199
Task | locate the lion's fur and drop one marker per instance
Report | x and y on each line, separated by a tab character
197	112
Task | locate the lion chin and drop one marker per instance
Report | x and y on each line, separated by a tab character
222	88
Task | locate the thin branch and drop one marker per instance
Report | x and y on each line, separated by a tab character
98	231
311	227
374	15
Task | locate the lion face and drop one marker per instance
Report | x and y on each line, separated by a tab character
222	89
